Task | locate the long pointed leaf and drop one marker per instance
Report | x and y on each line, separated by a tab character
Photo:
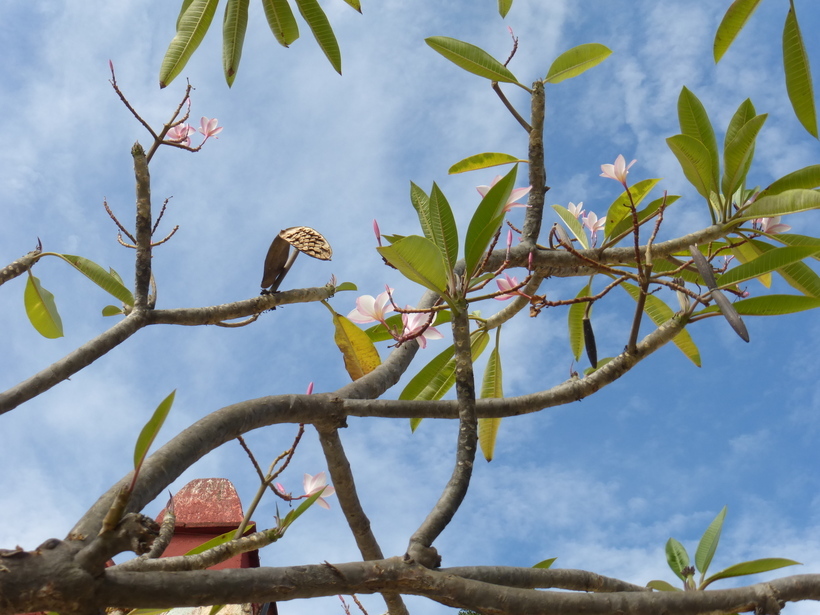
471	58
504	7
419	260
776	258
775	305
807	177
573	224
694	122
709	542
798	74
105	280
752	567
786	202
281	21
193	25
151	429
738	153
619	210
624	227
676	557
421	203
41	309
486	221
575	61
322	32
695	161
482	161
732	23
360	355
575	317
798	275
443	227
660	313
233	37
491	388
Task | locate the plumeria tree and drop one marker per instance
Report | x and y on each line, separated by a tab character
471	283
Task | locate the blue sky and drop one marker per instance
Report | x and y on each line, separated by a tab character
601	484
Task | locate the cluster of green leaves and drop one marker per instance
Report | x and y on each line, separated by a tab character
41	308
195	18
678	560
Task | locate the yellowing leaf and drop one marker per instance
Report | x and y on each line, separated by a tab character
41	309
360	355
491	388
482	161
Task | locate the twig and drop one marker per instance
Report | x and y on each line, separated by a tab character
510	108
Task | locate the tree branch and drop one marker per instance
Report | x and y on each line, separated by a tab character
538	173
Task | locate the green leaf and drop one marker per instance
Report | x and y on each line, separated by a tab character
317	21
776	258
215	609
151	429
798	275
233	36
738	153
786	202
745	112
281	21
482	161
545	563
753	567
345	286
439	375
746	252
624	227
297	512
421	203
41	309
619	210
676	557
774	305
419	260
183	8
694	122
573	224
443	227
356	4
486	221
695	161
575	61
108	282
807	177
663	586
732	23
491	387
709	542
575	317
191	29
471	58
111	310
504	7
798	74
216	541
660	313
791	239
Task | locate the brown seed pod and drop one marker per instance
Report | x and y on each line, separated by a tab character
309	241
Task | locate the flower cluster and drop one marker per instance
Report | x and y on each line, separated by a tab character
370	309
181	133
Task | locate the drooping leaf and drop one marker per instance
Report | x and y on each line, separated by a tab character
753	567
183	8
798	74
575	61
443	227
360	355
504	7
786	202
732	23
281	21
660	313
41	309
738	153
438	376
317	21
111	310
695	161
709	542
471	58
356	4
706	271
589	343
108	282
486	221
776	258
233	36
807	177
491	387
545	563
624	227
482	161
575	317
419	260
191	29
619	210
694	122
573	224
676	557
151	429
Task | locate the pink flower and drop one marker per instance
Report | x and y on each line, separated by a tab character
208	128
771	225
369	309
617	171
318	484
281	489
181	134
576	210
516	194
507	284
414	322
594	224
